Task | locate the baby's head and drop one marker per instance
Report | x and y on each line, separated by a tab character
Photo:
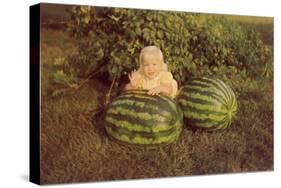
152	62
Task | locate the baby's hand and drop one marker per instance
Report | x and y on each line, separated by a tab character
135	78
155	91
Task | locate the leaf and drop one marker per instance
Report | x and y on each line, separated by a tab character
160	34
168	23
61	78
87	19
99	54
116	19
116	60
85	9
60	61
58	92
138	31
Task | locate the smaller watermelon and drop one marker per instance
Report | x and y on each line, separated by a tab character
207	103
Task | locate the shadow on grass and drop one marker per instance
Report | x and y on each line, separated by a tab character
98	120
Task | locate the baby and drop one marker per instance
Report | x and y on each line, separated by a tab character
153	74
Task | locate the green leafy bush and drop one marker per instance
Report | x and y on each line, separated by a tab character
109	41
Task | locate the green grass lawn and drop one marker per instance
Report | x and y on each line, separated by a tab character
75	146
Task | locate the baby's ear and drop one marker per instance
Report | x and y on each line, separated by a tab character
165	67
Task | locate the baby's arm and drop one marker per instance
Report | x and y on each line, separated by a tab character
129	86
168	86
165	89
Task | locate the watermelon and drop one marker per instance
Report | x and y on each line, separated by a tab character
207	103
138	118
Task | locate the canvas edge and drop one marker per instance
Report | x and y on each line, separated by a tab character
34	95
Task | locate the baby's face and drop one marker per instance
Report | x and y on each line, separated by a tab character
151	66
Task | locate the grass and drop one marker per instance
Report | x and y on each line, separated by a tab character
76	148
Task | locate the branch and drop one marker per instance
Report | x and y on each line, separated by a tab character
107	98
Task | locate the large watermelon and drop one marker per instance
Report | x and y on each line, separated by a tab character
138	118
207	103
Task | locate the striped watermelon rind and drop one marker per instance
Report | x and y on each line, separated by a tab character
207	103
138	118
